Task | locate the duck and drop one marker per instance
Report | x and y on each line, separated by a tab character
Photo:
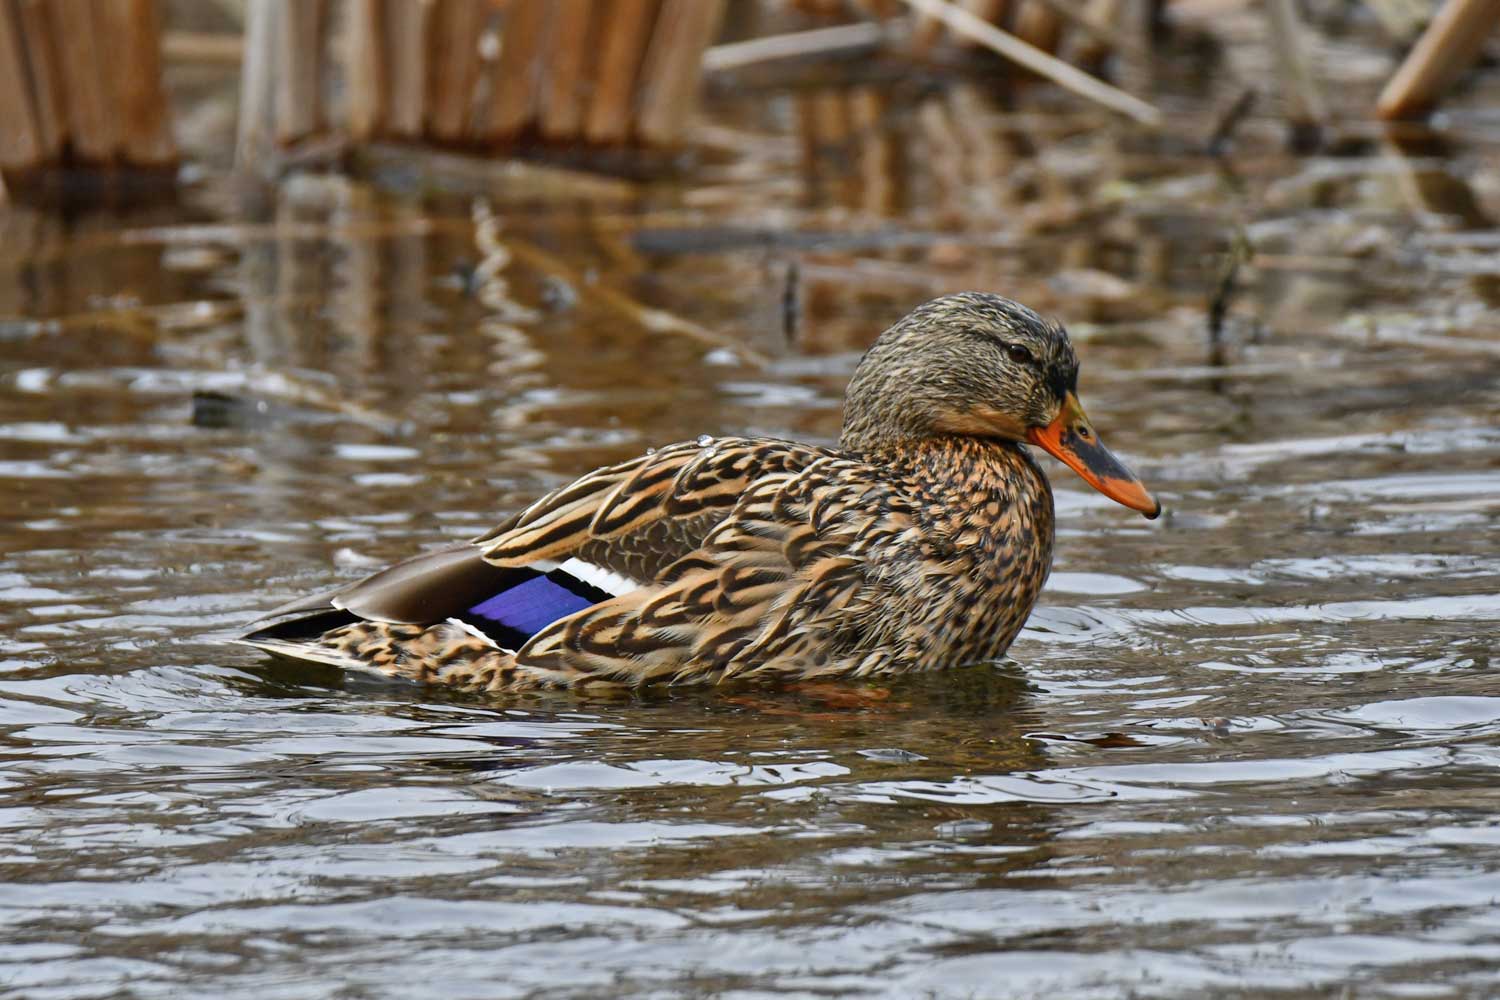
920	542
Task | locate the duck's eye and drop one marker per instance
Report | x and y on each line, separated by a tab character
1018	354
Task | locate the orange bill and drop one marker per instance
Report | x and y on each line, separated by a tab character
1071	440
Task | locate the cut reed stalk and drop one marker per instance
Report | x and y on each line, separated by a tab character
455	29
626	29
38	43
83	56
1305	108
299	69
1446	49
146	133
515	95
566	92
403	31
20	141
365	64
673	64
255	136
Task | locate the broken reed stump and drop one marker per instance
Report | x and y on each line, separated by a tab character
473	73
281	81
1449	46
81	86
1306	111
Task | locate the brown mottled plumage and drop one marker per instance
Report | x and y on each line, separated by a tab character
922	542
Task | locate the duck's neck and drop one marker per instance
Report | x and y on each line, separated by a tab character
958	460
984	508
995	479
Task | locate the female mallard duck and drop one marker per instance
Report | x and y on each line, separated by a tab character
921	542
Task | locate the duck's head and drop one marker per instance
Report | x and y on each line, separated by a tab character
981	365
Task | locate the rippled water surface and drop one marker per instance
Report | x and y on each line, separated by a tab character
1250	749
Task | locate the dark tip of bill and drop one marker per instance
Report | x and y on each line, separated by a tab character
1155	512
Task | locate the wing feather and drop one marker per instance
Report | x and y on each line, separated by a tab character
758	586
640	516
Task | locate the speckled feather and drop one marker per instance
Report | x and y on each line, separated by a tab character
832	568
911	547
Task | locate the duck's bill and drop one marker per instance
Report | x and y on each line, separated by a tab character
1071	440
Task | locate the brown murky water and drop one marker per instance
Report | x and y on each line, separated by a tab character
1251	749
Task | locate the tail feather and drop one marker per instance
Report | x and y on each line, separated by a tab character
445	616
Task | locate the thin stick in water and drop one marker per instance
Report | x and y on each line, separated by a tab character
794	45
1039	62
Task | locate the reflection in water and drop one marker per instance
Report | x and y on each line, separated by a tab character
1248	747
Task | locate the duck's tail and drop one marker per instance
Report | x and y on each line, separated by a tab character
451	653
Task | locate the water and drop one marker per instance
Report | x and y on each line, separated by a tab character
1247	750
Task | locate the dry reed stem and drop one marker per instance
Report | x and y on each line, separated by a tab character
565	94
140	97
1039	25
672	67
83	57
830	119
255	134
203	47
20	143
515	96
874	151
404	33
992	11
453	68
1098	20
793	45
298	68
925	32
1449	46
626	28
1039	62
1101	18
1304	101
39	45
365	65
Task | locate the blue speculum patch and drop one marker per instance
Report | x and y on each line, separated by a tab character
531	606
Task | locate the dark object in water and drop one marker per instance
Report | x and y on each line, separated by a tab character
220	410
